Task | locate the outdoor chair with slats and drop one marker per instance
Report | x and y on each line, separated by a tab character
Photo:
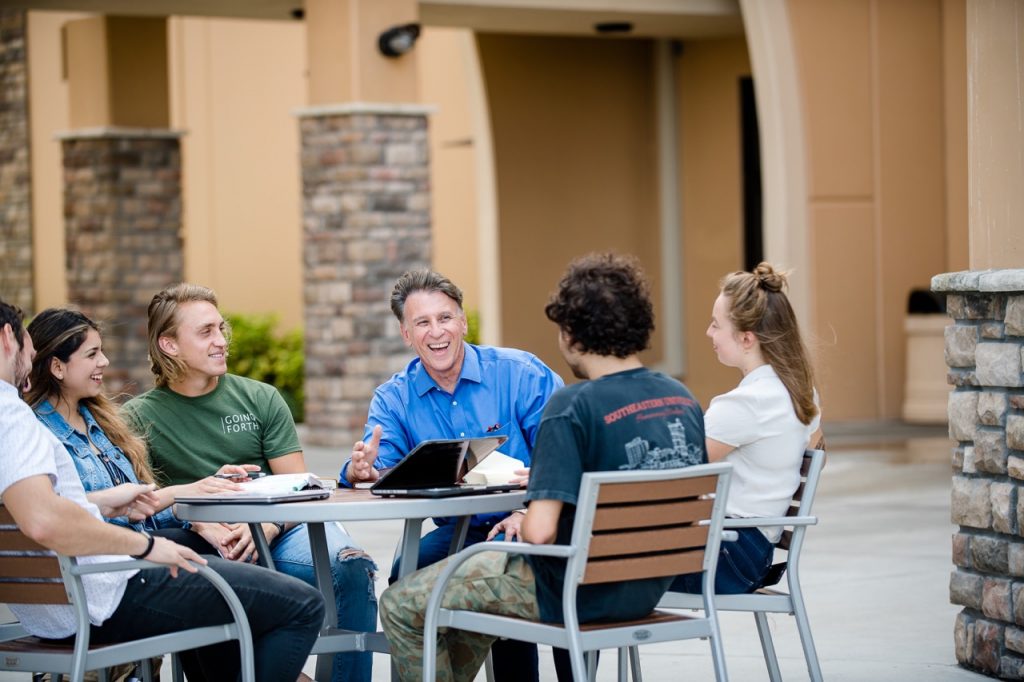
629	525
767	600
31	574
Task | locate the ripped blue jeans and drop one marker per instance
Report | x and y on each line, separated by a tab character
352	573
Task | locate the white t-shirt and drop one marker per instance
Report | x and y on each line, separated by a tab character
27	448
758	419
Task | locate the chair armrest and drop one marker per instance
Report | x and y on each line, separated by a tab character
114	566
770	521
432	611
730	536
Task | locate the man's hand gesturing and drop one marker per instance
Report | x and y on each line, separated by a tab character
364	453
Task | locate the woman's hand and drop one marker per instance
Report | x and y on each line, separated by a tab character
509	526
210	485
134	500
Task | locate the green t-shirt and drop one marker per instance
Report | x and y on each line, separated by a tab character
240	422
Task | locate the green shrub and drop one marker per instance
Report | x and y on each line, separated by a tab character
473	327
259	352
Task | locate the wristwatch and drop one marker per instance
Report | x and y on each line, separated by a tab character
280	527
149	545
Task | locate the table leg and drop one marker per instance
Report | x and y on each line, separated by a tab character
410	554
459	536
262	546
322	570
410	547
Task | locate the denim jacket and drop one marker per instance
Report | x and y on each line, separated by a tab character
107	469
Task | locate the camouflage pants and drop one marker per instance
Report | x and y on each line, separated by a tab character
490	582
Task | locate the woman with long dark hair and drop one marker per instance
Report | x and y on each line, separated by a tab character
763	425
67	396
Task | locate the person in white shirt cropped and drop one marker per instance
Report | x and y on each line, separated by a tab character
762	426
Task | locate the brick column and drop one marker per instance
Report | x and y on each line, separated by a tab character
122	212
366	220
16	285
985	352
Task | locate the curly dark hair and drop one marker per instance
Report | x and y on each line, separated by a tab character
603	303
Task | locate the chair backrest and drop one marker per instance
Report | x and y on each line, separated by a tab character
803	499
646	524
29	573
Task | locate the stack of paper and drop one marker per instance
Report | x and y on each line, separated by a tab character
496	469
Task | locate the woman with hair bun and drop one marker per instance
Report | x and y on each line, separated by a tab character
762	426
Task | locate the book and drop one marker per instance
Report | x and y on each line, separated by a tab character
283	483
497	469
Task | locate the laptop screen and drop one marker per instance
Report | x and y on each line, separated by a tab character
438	463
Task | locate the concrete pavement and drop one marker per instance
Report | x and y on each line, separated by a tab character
876	572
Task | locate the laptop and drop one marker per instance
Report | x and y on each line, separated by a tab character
255	497
435	468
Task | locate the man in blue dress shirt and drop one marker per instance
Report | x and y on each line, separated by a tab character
453	389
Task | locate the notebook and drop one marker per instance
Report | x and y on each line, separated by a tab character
435	468
267	490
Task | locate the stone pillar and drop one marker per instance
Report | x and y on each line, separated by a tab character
16	285
985	352
122	209
365	207
122	184
366	220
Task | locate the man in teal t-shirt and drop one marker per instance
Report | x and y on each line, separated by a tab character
199	417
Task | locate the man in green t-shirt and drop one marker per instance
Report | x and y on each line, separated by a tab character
199	418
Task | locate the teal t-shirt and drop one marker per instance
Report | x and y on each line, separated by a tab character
241	421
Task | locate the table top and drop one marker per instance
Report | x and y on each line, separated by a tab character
347	504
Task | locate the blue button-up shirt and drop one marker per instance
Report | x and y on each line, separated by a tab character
500	392
98	471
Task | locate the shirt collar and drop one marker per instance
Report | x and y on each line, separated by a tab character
54	421
757	373
8	388
423	382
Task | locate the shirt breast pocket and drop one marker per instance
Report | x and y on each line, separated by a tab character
89	469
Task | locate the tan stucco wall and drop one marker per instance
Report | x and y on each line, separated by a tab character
883	88
873	94
445	57
709	75
234	98
48	108
117	71
574	150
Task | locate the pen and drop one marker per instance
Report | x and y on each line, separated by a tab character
251	474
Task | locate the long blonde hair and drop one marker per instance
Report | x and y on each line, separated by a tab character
758	304
58	333
163	321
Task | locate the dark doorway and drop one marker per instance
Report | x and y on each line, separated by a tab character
753	233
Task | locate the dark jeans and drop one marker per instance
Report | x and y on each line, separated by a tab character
188	538
742	565
513	661
284	613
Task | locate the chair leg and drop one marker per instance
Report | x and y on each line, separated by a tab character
591	665
767	646
803	626
177	675
623	668
634	662
146	666
489	667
